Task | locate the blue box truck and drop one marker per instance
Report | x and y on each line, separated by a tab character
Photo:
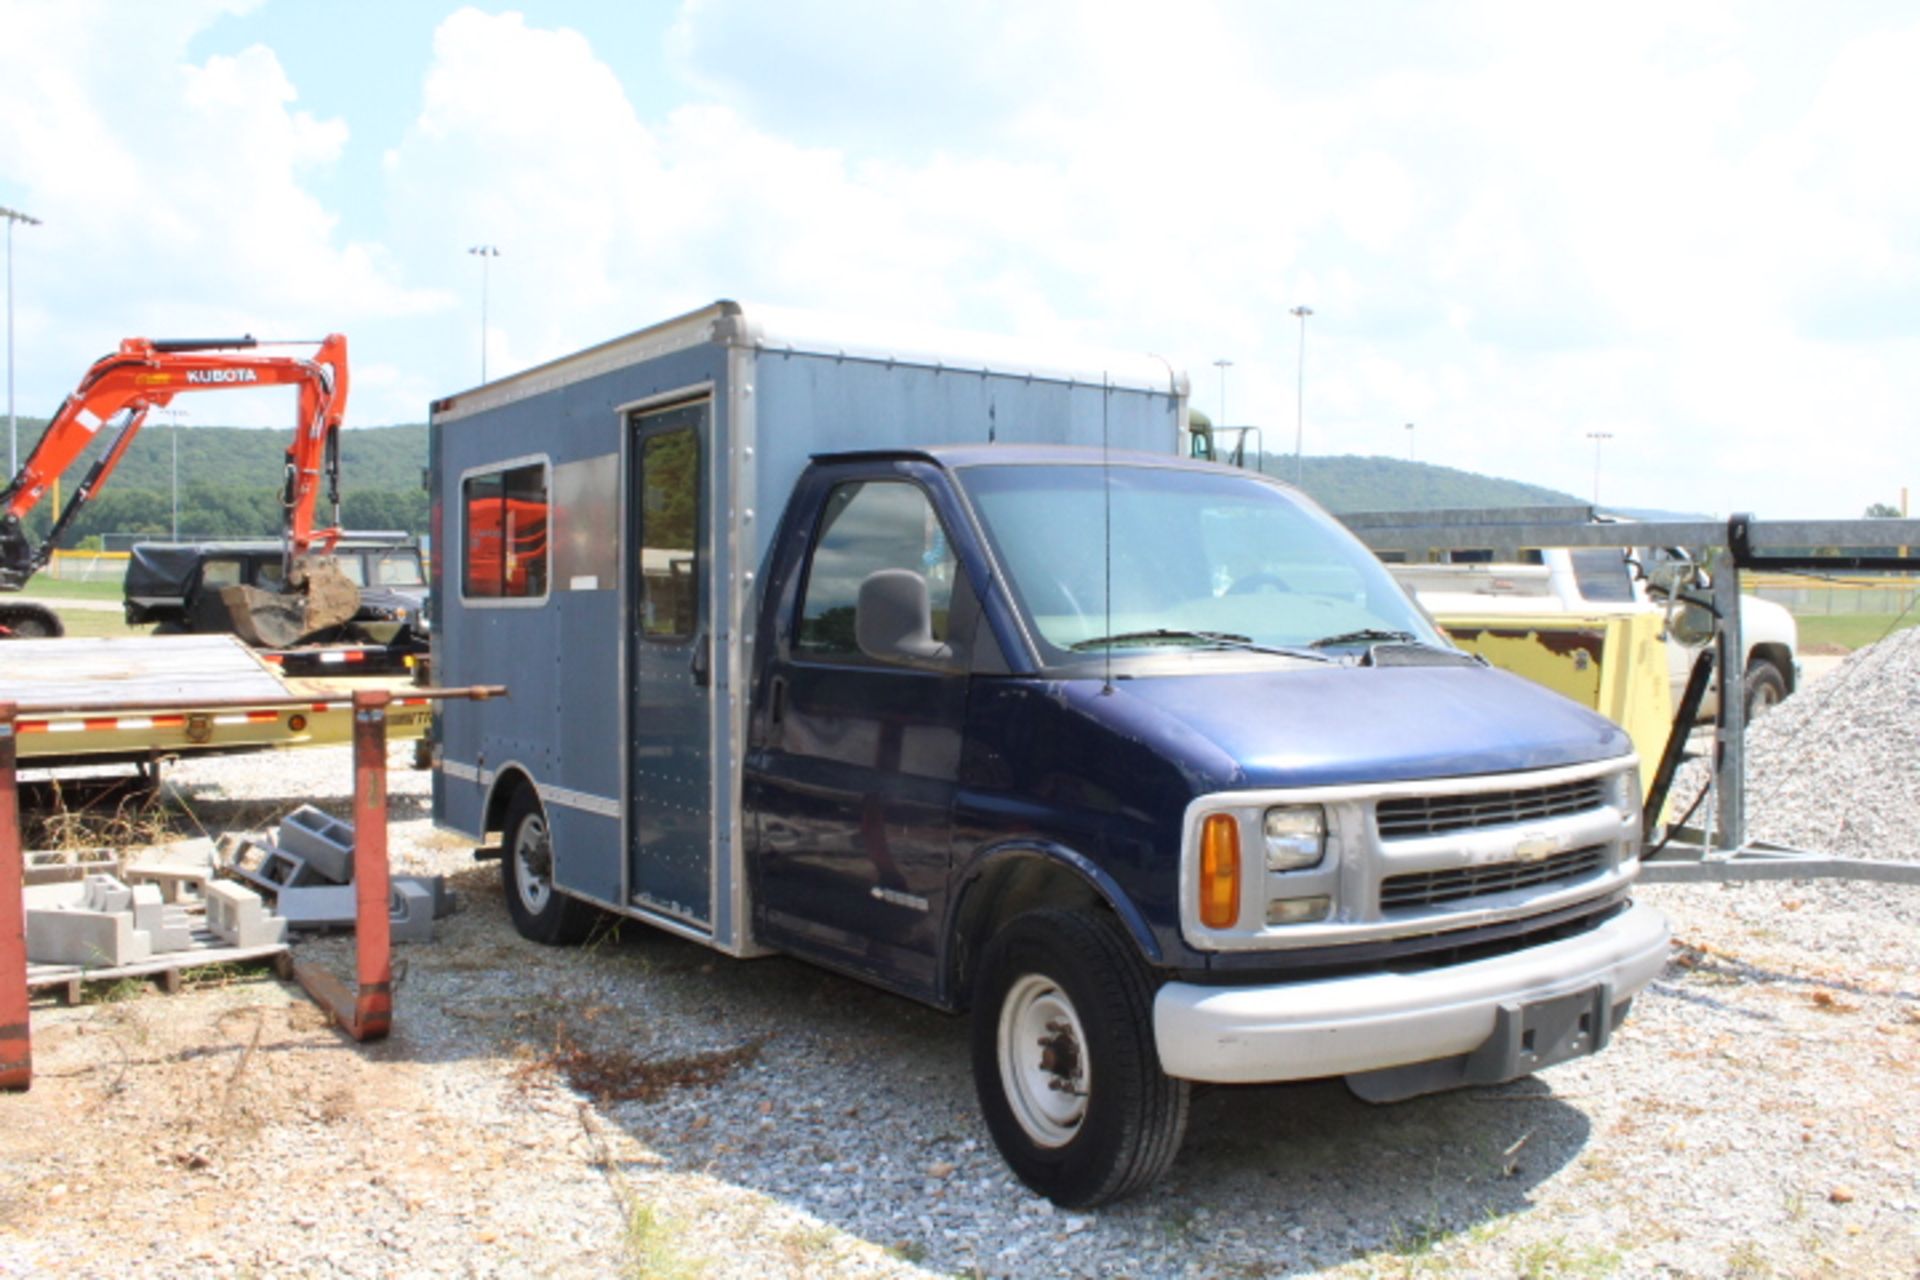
931	661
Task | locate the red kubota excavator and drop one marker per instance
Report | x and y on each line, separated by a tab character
118	393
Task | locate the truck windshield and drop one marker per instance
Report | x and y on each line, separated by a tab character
1195	555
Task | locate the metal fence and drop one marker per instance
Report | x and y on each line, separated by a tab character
1869	595
88	566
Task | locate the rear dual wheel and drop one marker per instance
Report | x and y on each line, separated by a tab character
1064	1060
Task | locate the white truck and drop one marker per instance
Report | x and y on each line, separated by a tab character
1605	580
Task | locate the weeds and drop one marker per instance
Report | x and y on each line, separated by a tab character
618	1075
1556	1259
79	819
649	1244
1418	1241
652	1250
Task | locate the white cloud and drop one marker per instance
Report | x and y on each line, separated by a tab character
1516	223
176	197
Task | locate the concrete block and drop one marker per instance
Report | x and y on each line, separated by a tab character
177	884
237	914
74	935
412	909
325	842
107	895
321	906
181	869
412	913
445	900
263	865
68	893
166	925
53	866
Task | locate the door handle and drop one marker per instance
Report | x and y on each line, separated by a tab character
702	664
777	700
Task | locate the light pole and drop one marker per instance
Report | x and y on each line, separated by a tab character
1223	364
1300	400
174	416
1597	437
483	252
1409	442
13	424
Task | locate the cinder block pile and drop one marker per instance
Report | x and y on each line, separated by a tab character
104	922
308	869
253	891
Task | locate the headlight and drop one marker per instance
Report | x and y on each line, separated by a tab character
1296	836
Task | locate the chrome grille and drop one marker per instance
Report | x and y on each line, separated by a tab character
1430	888
1414	816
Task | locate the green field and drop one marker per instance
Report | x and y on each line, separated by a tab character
1851	630
58	589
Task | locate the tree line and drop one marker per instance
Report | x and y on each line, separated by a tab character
230	482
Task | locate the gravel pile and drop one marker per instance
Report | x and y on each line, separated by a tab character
645	1106
1836	768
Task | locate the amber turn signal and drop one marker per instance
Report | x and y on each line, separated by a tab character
1220	872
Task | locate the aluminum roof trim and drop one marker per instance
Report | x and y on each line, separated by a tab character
782	330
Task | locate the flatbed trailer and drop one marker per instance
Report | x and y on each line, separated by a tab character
153	698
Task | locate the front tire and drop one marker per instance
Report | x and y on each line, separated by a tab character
1064	1060
540	912
1766	686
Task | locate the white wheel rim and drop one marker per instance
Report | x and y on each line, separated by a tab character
533	864
1043	1060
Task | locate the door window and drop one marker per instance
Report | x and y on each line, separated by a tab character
220	573
669	532
871	525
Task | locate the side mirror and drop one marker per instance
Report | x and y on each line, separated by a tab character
1671	571
1692	624
893	619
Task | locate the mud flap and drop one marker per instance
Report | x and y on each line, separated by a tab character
1528	1036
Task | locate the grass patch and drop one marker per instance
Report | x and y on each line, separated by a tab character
98	622
653	1249
1851	631
67	589
1558	1259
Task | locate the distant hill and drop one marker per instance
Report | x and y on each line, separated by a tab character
1352	483
370	457
230	480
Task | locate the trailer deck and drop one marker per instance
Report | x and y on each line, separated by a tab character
151	697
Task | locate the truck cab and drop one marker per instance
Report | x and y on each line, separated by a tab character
1025	717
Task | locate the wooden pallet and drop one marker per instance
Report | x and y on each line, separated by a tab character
166	969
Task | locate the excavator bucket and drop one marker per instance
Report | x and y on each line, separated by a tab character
318	598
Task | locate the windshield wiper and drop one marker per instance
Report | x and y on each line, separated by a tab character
1366	635
1209	639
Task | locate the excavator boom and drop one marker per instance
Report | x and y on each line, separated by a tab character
121	389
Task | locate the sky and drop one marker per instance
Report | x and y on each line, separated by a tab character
1691	229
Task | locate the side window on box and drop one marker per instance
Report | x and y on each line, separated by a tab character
504	548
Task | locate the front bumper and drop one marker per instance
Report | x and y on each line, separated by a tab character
1373	1022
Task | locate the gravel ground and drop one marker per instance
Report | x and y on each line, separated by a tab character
643	1106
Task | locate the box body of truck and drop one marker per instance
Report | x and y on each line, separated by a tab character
933	664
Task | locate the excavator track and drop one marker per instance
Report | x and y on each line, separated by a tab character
21	620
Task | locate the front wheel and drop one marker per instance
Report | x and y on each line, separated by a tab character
540	911
1064	1060
1766	686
